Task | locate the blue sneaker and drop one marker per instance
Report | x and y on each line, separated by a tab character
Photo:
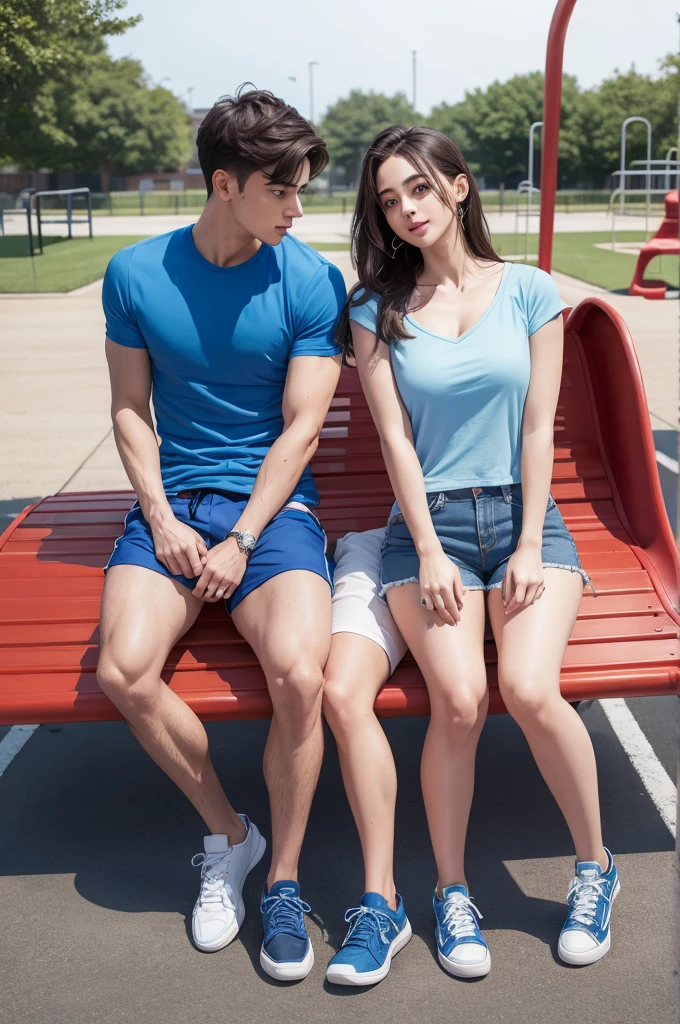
286	953
586	937
460	944
376	933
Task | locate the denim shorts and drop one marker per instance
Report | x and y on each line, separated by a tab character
479	529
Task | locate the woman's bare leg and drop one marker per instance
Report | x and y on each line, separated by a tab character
452	662
531	646
357	667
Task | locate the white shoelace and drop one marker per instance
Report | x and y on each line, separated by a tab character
363	921
215	893
583	897
459	916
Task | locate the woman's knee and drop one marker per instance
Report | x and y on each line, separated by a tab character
527	698
342	706
460	711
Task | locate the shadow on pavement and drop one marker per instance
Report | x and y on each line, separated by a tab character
87	801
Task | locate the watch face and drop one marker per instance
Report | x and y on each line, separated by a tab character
248	540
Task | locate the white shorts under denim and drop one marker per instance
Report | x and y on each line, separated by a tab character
356	605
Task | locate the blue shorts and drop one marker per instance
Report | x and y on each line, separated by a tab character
479	530
292	540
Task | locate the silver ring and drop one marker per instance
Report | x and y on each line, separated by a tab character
440	600
219	593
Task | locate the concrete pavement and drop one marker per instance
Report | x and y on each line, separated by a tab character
96	891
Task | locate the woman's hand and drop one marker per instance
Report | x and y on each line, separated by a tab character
441	588
523	583
181	550
223	572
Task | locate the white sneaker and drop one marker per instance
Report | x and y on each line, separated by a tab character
219	909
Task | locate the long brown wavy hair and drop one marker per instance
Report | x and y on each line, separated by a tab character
394	279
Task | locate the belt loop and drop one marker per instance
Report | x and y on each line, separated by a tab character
507	493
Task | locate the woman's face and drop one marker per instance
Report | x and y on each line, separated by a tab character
411	208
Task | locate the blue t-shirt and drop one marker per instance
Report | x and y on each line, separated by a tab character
465	397
220	340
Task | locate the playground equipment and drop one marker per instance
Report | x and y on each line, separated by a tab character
30	204
527	188
605	481
69	219
666	242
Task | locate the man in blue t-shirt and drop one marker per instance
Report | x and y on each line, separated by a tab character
228	326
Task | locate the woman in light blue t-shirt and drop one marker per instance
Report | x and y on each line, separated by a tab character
460	358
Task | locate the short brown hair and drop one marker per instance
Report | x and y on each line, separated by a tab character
253	130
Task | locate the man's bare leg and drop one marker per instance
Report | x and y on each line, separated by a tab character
287	622
143	615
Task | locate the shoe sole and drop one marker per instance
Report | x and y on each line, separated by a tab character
589	956
231	934
336	977
466	970
287	971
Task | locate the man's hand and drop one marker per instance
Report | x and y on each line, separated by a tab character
223	572
182	551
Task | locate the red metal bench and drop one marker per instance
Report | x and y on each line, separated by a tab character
664	243
605	481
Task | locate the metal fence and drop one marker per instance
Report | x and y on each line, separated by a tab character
191	202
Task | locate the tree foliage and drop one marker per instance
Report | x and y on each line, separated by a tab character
351	124
74	108
491	126
45	41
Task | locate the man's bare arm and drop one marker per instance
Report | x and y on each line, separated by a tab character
310	386
177	546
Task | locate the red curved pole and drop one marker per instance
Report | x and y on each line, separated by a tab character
551	128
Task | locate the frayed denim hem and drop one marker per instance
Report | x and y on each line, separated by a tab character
397	583
587	582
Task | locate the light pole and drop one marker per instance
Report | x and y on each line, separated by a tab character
312	65
414	58
190	90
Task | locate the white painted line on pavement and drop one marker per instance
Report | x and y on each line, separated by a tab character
12	743
665	460
656	779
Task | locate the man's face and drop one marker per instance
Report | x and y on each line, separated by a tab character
266	209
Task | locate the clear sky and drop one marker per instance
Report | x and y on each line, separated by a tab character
213	45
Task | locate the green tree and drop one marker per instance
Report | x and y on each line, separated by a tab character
351	124
110	122
42	42
492	126
601	112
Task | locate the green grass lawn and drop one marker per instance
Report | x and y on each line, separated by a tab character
66	265
63	266
576	255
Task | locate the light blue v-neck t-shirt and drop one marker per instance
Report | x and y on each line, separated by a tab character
465	396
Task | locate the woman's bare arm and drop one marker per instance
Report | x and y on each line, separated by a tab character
438	574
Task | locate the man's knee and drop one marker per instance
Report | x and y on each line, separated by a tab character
297	692
128	678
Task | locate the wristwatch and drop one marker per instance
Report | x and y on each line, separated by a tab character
246	541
